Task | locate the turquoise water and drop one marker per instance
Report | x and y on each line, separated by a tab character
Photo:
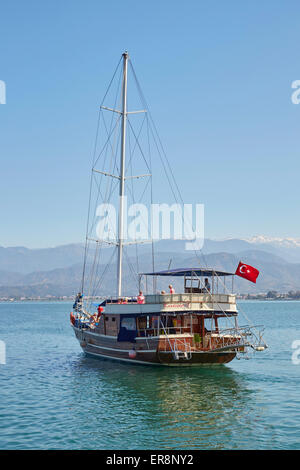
53	397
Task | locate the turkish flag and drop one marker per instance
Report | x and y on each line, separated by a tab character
246	271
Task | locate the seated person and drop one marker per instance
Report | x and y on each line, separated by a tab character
206	285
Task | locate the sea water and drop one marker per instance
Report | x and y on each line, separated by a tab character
54	397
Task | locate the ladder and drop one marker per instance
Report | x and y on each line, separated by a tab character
178	353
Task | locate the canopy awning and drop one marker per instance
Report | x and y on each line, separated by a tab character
206	272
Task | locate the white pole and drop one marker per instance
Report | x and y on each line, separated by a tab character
122	175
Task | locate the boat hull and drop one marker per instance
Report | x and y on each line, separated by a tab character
145	352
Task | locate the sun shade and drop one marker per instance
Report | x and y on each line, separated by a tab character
189	272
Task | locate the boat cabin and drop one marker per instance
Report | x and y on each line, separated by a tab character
196	315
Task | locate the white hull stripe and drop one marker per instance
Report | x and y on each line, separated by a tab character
124	360
151	350
122	350
181	364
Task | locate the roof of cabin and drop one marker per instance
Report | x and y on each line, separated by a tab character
207	272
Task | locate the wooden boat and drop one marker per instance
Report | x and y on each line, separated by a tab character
175	329
168	329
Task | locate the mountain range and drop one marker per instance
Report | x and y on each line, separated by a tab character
57	271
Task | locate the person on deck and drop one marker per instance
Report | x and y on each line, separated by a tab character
100	311
172	290
141	298
78	302
206	285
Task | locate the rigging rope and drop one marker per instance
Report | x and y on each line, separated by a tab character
93	161
170	171
113	133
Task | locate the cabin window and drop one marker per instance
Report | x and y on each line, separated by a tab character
226	323
129	323
113	319
209	324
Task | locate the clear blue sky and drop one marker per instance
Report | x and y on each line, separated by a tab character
217	76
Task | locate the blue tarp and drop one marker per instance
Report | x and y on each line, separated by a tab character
128	331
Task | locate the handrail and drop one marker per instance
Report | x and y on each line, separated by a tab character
178	297
212	340
167	330
190	297
173	330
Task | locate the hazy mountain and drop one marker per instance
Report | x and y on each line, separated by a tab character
275	273
24	260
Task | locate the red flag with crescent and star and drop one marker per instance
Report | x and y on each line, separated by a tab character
246	271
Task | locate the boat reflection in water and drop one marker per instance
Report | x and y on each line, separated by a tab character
171	408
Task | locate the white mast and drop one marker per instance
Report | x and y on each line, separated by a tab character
122	175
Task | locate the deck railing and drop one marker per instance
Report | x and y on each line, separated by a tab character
174	298
173	330
177	346
215	339
190	297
